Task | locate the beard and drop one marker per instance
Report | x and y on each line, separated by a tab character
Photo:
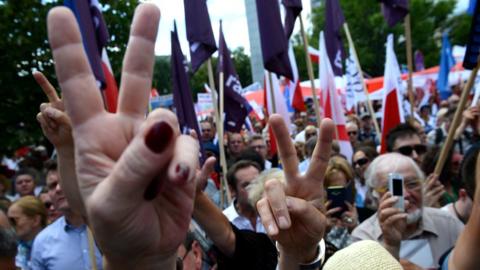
414	217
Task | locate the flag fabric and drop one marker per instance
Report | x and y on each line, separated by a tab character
334	21
293	86
293	8
419	61
236	106
314	54
199	32
394	11
471	7
280	103
446	63
392	113
354	88
95	37
272	37
331	102
182	95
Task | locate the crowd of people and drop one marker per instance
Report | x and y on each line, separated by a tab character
127	192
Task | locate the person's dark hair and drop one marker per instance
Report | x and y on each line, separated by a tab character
252	155
430	161
401	131
242	164
468	170
370	152
8	243
256	137
27	171
51	165
310	146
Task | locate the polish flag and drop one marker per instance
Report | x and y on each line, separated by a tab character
296	96
110	89
331	103
392	112
314	54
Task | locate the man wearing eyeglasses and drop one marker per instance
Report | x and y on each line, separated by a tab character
416	233
404	139
259	145
352	131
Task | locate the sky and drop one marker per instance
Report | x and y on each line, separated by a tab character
231	12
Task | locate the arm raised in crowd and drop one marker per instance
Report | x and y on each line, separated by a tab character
292	213
210	217
466	254
135	175
56	126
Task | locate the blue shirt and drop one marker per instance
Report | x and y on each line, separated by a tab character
62	246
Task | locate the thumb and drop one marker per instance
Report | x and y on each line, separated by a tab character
60	118
204	173
305	212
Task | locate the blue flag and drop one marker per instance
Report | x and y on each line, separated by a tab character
471	7
273	39
446	63
236	106
199	32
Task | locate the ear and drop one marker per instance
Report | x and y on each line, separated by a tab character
197	252
37	220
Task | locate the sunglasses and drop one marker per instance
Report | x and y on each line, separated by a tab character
47	204
407	150
352	133
361	162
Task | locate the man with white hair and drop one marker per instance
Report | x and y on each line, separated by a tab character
418	234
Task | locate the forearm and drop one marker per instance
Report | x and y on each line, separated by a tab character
214	223
293	260
466	254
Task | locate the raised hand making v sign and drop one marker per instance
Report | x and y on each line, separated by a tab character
134	174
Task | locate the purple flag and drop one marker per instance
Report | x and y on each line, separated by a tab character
236	107
419	63
293	8
94	34
182	95
394	10
334	21
199	32
273	39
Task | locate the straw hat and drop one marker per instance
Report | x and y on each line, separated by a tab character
365	254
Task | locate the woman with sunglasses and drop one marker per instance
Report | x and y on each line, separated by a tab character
361	159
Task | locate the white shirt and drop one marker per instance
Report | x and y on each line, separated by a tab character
242	222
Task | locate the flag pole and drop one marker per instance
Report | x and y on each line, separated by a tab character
221	147
362	79
310	71
272	96
408	37
456	120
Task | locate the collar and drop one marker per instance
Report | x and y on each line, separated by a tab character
68	227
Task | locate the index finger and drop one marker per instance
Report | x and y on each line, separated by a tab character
321	153
46	86
286	150
79	88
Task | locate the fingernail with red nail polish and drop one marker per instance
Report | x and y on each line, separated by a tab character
159	137
182	171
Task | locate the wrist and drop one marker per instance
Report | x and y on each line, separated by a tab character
303	256
151	263
393	248
65	150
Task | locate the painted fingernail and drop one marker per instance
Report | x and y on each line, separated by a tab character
159	136
182	171
282	221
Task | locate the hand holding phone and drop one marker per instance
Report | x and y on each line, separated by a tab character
395	186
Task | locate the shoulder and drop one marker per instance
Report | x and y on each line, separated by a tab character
230	212
49	231
442	220
368	229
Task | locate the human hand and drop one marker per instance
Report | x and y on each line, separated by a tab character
330	212
433	191
393	222
350	217
135	175
53	120
292	213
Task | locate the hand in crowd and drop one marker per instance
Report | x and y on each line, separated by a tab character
432	191
135	175
348	220
393	222
292	214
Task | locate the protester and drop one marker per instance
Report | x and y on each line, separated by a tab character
309	147
8	248
25	183
362	157
405	140
258	143
367	129
29	217
208	131
235	145
352	131
429	231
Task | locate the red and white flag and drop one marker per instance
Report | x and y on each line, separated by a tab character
331	103
314	54
392	113
296	96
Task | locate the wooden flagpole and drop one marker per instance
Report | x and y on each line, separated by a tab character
272	94
310	71
456	121
408	37
219	124
362	80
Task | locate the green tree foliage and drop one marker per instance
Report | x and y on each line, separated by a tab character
429	18
24	48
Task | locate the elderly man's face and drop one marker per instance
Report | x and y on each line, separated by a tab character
208	132
412	188
236	144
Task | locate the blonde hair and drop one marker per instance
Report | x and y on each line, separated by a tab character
335	165
31	207
256	188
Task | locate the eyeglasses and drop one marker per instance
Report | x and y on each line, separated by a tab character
407	150
47	204
352	133
361	162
